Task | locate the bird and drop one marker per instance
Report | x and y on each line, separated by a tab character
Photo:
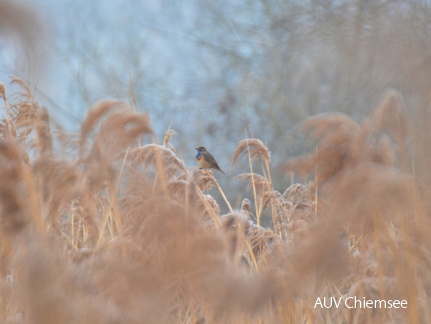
206	160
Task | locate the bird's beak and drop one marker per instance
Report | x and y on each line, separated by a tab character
196	148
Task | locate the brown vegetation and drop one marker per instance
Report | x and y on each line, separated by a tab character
116	232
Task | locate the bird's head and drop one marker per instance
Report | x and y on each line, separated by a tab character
200	150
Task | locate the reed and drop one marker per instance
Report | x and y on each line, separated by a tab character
115	231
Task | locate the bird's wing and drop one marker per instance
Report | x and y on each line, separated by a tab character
211	159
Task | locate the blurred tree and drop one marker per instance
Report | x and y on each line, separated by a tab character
273	63
214	69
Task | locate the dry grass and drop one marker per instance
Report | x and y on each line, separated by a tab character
97	228
115	232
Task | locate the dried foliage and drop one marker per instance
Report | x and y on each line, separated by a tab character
252	147
158	157
97	228
170	133
265	193
342	143
117	232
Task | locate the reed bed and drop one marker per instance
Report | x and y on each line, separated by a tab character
95	228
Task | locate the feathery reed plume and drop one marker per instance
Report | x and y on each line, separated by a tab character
21	113
43	132
58	182
245	209
342	143
253	147
235	227
212	203
186	192
265	193
159	157
298	195
262	241
95	114
27	94
121	128
335	134
2	91
170	133
118	130
296	212
204	179
390	117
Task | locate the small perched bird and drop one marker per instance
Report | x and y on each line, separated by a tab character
206	160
